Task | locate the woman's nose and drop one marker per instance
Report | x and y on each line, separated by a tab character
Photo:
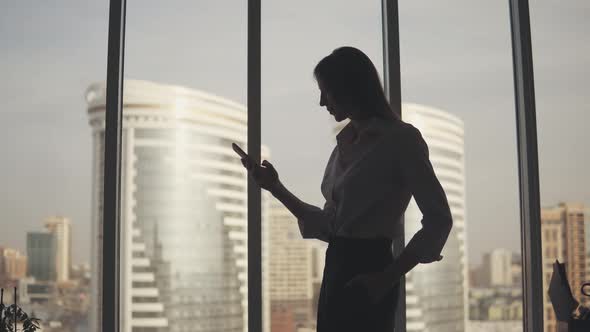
322	99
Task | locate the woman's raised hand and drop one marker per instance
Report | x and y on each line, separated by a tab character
265	175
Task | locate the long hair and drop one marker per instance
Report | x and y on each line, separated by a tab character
349	76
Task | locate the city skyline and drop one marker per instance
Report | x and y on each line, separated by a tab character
494	292
50	108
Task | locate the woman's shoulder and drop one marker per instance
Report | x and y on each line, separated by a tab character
405	138
403	130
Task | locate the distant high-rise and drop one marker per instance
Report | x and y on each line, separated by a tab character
13	264
563	238
290	270
41	253
60	227
183	210
516	270
436	294
497	265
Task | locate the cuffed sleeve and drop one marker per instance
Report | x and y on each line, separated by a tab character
316	223
429	195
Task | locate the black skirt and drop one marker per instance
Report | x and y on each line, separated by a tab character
348	309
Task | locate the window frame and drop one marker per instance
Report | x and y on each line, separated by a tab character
108	314
528	166
526	141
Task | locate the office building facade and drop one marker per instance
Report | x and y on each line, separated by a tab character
13	264
41	254
183	210
497	266
437	293
563	238
60	227
290	271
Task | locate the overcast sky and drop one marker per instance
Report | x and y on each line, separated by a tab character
455	56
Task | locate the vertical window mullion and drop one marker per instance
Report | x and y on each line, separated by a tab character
528	166
108	316
254	193
392	83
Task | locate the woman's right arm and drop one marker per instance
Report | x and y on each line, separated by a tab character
314	222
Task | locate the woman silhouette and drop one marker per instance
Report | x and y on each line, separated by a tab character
377	165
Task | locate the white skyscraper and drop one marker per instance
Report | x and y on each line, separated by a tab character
436	294
183	210
60	227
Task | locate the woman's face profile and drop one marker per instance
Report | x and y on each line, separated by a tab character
331	105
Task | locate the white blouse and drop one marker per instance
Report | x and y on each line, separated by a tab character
368	184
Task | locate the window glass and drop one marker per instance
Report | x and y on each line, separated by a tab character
562	67
184	207
301	135
51	169
457	89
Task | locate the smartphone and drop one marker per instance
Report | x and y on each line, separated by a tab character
239	150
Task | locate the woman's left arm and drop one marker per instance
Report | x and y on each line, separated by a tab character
417	171
427	244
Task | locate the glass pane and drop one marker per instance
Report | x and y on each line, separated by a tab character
300	135
184	244
51	52
457	89
562	69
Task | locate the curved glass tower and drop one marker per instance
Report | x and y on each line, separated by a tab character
183	209
437	293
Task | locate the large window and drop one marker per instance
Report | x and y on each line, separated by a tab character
51	160
183	258
562	70
183	193
457	89
301	135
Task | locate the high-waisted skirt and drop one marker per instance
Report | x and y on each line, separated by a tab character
348	309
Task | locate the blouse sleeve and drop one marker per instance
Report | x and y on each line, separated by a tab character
429	195
316	223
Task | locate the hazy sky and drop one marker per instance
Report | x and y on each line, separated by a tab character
455	56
